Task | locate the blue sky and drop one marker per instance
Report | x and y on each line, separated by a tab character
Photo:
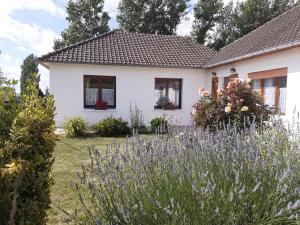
30	26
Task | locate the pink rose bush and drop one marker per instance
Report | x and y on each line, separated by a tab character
235	104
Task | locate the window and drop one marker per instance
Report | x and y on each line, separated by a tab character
274	90
101	88
167	93
228	79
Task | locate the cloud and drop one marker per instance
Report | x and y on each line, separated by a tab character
111	7
9	6
185	26
31	37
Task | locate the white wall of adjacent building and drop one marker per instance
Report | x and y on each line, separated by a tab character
133	85
288	58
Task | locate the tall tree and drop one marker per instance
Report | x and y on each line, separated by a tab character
218	25
29	71
151	16
207	14
253	14
86	19
226	30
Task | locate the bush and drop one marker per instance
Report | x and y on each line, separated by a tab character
26	161
8	109
136	119
237	103
111	127
75	127
159	125
197	177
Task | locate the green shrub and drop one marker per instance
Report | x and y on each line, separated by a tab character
235	104
159	123
8	108
75	127
110	127
136	119
194	177
26	162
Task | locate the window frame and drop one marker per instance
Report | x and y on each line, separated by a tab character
277	92
100	82
166	81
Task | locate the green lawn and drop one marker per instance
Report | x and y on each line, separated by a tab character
69	154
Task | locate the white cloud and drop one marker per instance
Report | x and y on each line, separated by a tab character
31	37
9	6
26	37
111	7
185	26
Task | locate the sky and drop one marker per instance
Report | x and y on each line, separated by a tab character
31	26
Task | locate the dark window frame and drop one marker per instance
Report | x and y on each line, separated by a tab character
166	81
100	82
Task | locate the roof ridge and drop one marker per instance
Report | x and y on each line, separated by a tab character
277	17
78	43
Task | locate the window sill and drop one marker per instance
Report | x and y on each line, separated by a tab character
100	110
168	110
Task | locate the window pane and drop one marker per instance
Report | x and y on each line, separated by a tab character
108	91
91	91
160	92
174	91
226	81
282	94
256	84
269	91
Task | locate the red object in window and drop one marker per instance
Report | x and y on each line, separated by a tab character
101	104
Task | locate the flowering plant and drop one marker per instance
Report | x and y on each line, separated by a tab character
101	104
236	103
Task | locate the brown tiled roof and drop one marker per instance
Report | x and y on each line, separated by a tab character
280	33
136	49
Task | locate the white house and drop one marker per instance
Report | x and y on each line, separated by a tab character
161	74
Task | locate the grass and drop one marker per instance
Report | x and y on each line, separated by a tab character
69	154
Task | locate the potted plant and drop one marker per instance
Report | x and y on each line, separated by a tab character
101	105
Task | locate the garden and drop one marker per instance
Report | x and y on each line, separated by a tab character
237	165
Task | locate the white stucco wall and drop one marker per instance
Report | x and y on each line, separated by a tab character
133	84
288	58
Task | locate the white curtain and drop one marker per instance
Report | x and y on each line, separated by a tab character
256	84
108	96
269	91
91	96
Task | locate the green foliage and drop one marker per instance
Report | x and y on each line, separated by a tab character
155	17
8	108
206	15
26	161
86	20
220	24
29	72
136	119
111	127
75	127
159	123
235	104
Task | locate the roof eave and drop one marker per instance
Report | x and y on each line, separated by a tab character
45	62
253	55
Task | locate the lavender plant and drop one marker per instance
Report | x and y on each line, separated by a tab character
196	177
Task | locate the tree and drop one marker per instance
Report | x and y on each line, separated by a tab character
207	14
86	19
226	30
29	72
218	25
151	16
